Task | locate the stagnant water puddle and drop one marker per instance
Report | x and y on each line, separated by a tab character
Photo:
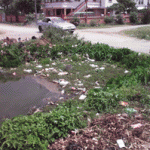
18	97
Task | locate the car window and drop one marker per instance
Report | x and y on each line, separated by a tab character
46	20
59	20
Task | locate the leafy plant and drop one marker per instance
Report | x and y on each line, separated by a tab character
109	19
133	17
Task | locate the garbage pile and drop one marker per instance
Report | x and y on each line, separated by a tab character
109	132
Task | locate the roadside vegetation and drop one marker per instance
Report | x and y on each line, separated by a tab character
141	33
106	77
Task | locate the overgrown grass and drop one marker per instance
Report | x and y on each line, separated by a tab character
39	130
141	33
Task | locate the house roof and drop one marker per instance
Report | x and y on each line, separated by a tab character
70	5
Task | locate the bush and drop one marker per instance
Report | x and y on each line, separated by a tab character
109	19
75	21
30	17
146	16
93	23
119	19
133	17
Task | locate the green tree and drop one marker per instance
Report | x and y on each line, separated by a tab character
5	3
123	6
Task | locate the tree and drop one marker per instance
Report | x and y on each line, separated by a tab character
27	6
123	6
5	3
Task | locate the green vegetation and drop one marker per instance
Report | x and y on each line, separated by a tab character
109	19
39	130
141	33
134	17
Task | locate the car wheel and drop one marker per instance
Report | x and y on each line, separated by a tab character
71	32
40	29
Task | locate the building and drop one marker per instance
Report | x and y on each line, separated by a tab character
65	8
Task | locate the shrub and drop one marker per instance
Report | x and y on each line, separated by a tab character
93	23
133	17
119	19
109	19
146	16
75	21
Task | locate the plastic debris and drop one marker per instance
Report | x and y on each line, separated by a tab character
81	89
91	59
62	73
54	64
87	76
47	75
102	68
120	143
123	103
27	70
62	92
94	66
82	97
73	88
47	65
39	66
62	82
138	125
126	71
14	74
130	110
13	69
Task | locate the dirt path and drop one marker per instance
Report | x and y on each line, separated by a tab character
19	31
112	37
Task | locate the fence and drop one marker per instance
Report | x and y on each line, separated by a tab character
12	18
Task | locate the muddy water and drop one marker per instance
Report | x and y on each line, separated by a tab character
18	97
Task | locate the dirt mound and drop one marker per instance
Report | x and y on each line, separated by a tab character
104	132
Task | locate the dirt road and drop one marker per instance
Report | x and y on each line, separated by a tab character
110	36
18	31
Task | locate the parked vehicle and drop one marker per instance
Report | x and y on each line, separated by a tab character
56	22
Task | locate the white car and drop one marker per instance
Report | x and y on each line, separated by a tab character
56	22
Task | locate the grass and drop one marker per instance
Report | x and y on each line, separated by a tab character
141	33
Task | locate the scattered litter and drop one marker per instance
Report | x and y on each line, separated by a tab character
13	69
62	82
62	73
123	103
81	89
97	114
53	64
81	84
91	59
37	110
96	83
97	87
39	66
60	53
47	65
62	92
87	76
130	110
126	71
14	74
73	88
27	70
138	125
48	69
120	143
82	97
94	66
102	68
47	75
55	81
61	98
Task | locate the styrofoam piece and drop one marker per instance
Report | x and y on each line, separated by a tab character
120	143
39	66
82	97
27	70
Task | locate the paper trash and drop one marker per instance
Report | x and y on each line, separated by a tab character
120	143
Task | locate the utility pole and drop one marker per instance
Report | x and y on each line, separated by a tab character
35	12
86	12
